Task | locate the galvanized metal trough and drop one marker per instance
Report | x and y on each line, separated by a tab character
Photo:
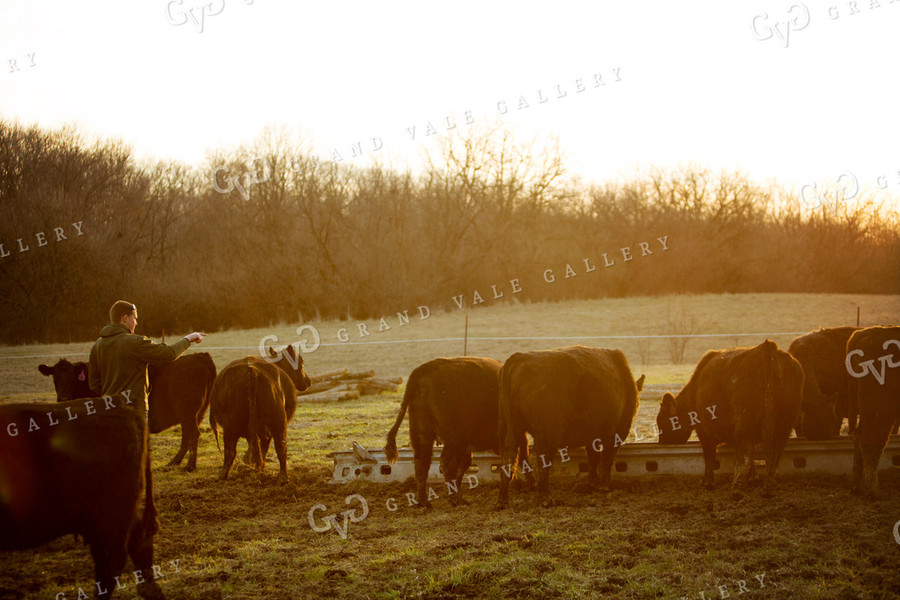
632	459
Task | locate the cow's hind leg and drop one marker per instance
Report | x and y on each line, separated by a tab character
454	462
773	446
543	474
506	472
593	482
140	548
856	487
607	459
743	466
511	461
422	453
109	560
526	481
265	438
709	462
871	437
176	460
192	455
230	443
191	441
279	437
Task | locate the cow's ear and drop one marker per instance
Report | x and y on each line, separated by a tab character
82	373
667	405
45	370
272	352
640	383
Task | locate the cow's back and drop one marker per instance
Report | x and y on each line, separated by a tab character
821	354
180	390
234	386
788	389
460	396
867	390
571	395
747	389
873	363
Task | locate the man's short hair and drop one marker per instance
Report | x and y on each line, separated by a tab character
120	309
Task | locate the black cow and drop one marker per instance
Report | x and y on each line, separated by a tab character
69	379
573	396
79	468
454	401
254	399
825	384
179	395
741	397
873	363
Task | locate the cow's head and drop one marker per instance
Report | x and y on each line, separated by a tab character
818	419
671	431
291	363
68	378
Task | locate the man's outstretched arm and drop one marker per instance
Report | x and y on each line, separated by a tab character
152	352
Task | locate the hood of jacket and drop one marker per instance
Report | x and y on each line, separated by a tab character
113	329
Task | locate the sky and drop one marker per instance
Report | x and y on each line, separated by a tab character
801	93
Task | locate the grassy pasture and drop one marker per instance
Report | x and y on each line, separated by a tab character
649	538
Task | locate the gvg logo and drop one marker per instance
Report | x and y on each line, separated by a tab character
765	28
897	532
304	344
868	366
251	177
177	14
846	188
331	521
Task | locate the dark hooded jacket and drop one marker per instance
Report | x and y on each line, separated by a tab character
119	362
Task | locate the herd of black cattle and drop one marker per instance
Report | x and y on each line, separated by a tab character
567	397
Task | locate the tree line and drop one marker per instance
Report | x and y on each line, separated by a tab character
265	233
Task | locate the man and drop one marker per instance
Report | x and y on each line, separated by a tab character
119	359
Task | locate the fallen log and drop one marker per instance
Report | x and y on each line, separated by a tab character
320	386
331	396
371	386
324	386
339	384
329	375
352	376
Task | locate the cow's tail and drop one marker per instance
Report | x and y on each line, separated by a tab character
852	389
812	396
149	521
212	419
412	389
253	428
210	367
852	403
508	428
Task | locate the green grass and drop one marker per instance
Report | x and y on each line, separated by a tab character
661	537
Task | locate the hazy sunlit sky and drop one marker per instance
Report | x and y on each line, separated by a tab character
697	83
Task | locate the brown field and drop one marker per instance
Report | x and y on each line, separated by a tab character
651	537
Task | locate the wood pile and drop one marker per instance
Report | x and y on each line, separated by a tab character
340	385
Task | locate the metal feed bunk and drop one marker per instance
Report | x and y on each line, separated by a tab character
632	459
